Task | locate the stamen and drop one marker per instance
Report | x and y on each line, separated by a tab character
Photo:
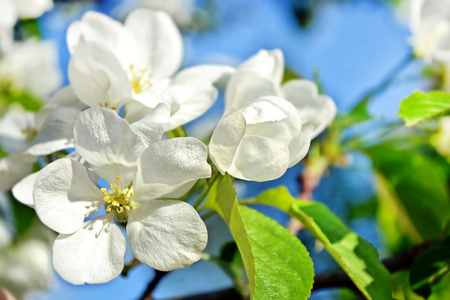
118	177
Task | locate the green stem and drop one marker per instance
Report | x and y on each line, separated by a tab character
206	189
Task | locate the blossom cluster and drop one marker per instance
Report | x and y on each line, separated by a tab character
126	94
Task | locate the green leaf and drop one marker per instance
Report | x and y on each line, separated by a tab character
24	216
431	268
26	99
278	266
356	256
423	106
358	114
417	190
442	289
402	288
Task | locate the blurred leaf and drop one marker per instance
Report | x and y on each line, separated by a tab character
3	153
24	216
442	289
264	244
26	99
30	28
231	262
357	115
416	187
289	75
356	256
402	288
423	106
362	210
430	269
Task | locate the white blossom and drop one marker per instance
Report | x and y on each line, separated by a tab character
164	234
430	25
113	64
267	127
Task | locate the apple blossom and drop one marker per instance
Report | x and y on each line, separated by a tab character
113	64
164	234
430	25
266	127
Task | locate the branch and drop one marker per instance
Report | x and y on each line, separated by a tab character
147	295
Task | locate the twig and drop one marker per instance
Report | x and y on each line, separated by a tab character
147	295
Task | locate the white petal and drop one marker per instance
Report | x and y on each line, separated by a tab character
8	14
166	235
245	87
188	102
314	109
299	147
15	167
262	111
108	144
12	125
165	165
151	127
158	39
64	195
217	75
284	130
56	132
112	35
259	159
226	138
23	190
32	9
268	64
93	254
135	110
97	77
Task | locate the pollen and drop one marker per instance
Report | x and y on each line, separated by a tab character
139	79
117	199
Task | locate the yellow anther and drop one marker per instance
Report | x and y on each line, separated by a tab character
103	190
106	104
127	207
108	209
129	186
131	194
120	209
115	203
101	105
111	186
106	198
118	177
114	108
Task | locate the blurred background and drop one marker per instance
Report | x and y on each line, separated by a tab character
348	47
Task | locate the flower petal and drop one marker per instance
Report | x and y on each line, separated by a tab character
159	41
189	102
108	144
268	64
284	130
152	126
97	77
56	132
93	254
245	87
165	165
259	159
166	234
97	27
64	195
23	190
314	109
204	74
262	111
299	147
12	126
226	138
15	167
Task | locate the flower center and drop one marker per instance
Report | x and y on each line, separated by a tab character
118	200
30	134
139	79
